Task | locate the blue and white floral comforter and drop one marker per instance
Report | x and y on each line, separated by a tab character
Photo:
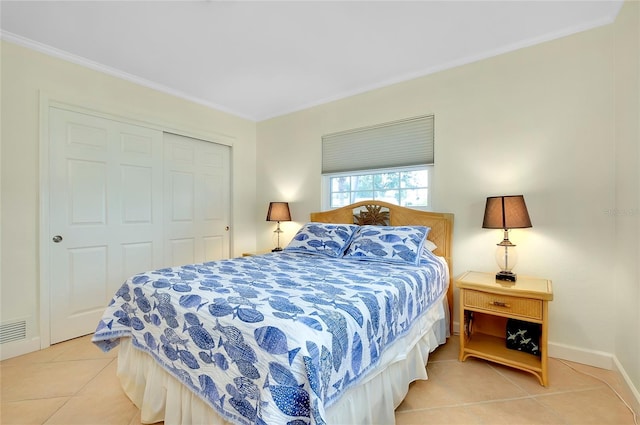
271	339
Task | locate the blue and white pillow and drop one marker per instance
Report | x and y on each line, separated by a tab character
396	244
322	238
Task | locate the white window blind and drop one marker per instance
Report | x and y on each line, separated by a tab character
396	144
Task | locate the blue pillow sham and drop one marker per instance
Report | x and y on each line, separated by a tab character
396	244
322	238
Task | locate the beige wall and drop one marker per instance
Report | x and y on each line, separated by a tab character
555	122
26	74
540	122
627	214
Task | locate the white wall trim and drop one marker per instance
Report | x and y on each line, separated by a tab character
18	348
635	391
96	66
132	119
52	51
594	358
450	65
44	231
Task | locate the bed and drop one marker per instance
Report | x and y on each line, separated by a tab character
329	331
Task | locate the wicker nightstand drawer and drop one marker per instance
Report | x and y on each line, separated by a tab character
524	307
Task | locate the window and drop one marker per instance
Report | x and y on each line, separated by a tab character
407	187
389	162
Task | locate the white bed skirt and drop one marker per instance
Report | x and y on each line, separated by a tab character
161	397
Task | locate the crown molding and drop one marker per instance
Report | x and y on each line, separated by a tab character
529	42
96	66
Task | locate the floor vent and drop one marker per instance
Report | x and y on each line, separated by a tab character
13	331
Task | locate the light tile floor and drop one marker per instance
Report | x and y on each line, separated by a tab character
75	383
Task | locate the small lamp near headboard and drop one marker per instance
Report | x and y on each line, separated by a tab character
506	212
278	211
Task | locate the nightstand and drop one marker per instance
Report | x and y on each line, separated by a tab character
485	307
252	253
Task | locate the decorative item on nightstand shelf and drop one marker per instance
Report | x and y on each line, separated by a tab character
523	336
278	211
506	212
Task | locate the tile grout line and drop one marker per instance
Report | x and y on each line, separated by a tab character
528	395
57	410
603	384
94	377
77	393
469	403
550	391
535	397
498	400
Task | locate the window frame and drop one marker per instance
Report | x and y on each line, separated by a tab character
326	183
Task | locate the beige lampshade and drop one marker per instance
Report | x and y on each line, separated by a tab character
278	211
506	212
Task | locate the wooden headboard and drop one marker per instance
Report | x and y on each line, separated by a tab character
381	213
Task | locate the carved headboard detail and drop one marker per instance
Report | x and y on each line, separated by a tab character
373	215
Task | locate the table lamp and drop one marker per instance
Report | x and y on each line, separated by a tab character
278	211
506	212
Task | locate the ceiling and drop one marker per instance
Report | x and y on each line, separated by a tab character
262	59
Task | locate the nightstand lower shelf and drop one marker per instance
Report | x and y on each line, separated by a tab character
493	349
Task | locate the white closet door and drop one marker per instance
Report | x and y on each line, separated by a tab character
196	202
126	199
105	216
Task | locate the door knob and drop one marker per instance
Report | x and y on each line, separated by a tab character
57	238
226	228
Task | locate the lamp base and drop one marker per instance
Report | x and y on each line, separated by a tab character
278	249
506	276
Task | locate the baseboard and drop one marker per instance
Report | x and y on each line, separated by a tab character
594	358
18	348
635	391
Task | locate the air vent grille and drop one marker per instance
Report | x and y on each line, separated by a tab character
13	331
